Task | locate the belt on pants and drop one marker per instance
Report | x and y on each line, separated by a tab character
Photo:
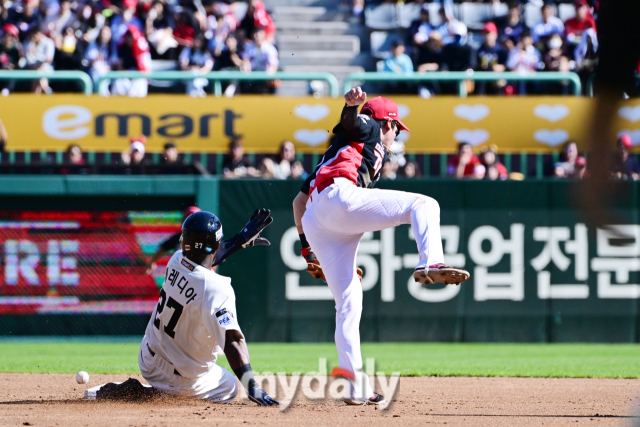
325	184
153	354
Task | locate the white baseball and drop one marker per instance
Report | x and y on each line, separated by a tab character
82	377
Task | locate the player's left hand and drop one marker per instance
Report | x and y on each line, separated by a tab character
260	397
250	233
150	268
355	97
260	241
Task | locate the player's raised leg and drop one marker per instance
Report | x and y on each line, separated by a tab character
389	208
347	209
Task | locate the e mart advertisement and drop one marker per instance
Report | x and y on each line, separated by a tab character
535	124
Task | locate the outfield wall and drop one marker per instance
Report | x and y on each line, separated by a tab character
540	273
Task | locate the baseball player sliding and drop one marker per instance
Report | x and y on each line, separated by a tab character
196	317
337	205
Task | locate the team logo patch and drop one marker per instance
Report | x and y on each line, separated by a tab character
219	234
188	265
187	247
224	317
364	118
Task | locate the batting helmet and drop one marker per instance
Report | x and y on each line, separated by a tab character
201	234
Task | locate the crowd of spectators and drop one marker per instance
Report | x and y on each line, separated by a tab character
236	164
482	164
508	44
100	36
466	165
284	165
572	165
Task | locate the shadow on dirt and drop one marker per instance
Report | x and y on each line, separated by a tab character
536	416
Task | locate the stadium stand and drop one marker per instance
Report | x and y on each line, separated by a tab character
311	35
287	35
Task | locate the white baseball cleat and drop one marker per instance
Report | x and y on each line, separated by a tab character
440	273
376	399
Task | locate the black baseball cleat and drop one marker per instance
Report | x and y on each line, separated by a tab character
376	399
440	273
130	390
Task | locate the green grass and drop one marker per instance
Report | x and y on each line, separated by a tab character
415	359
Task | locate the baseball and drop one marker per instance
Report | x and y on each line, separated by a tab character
82	377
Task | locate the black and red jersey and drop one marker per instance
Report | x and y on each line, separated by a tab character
356	154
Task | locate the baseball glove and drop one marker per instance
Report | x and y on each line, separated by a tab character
314	269
250	233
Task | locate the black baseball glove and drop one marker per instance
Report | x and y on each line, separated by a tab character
259	396
250	233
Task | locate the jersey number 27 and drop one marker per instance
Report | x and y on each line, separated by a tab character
169	329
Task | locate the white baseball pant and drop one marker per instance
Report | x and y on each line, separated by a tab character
334	223
218	385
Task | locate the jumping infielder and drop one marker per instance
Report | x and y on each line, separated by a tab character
196	317
337	205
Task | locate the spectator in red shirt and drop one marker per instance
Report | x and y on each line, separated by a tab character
465	164
494	169
258	17
73	157
185	31
583	20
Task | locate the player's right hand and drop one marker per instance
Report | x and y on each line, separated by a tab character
260	397
355	97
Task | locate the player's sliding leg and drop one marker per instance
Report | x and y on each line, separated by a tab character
218	385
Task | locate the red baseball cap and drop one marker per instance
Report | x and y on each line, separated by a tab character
190	210
11	29
130	4
580	3
490	27
625	140
140	138
381	108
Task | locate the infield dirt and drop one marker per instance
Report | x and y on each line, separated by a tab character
56	400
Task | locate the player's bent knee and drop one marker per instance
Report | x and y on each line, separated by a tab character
226	391
430	204
433	205
233	394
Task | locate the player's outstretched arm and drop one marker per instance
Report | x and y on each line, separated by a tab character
299	208
248	236
349	120
235	348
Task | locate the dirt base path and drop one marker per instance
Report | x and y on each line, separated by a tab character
56	400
